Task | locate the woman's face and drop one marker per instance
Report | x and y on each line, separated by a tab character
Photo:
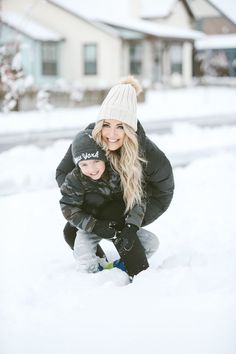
113	134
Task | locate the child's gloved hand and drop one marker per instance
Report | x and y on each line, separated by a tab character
105	229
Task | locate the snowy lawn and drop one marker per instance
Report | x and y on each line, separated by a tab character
184	303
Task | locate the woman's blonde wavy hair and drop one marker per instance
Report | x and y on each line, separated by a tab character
126	162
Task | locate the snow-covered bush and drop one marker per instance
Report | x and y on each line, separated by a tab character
13	82
76	93
42	103
11	75
212	63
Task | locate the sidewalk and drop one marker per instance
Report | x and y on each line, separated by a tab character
162	126
201	106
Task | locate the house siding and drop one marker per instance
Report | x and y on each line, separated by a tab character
178	17
217	25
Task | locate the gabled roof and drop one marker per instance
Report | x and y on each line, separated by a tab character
30	28
115	18
154	29
94	9
160	8
72	7
157	8
97	9
226	7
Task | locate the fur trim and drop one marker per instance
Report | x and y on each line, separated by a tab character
133	82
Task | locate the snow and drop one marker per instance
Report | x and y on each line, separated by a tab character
184	303
120	9
121	16
154	8
152	29
146	8
30	27
86	8
216	42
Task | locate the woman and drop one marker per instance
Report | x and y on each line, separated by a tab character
146	175
89	194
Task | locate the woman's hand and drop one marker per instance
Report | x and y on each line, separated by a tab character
126	238
131	250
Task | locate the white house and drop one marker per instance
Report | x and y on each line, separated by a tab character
97	42
35	41
87	52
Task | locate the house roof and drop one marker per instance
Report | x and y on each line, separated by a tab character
119	9
94	9
226	7
153	29
221	41
156	8
116	15
72	7
30	28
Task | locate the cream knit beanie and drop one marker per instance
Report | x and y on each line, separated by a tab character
121	102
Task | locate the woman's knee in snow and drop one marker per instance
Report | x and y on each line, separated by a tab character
149	241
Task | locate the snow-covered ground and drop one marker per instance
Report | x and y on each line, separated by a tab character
160	105
184	303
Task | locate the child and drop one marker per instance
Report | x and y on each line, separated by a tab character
93	203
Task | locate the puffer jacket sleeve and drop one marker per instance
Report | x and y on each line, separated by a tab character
72	201
136	214
65	166
159	182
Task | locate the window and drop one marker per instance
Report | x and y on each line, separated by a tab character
176	58
49	58
90	59
135	54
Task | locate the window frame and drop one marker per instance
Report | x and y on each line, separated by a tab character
176	65
49	58
136	64
90	67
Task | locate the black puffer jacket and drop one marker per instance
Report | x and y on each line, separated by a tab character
158	176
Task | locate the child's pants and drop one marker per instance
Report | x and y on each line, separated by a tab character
86	245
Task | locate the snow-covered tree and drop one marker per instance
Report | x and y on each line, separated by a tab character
13	82
213	63
10	73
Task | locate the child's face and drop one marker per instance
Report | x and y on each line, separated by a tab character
92	168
